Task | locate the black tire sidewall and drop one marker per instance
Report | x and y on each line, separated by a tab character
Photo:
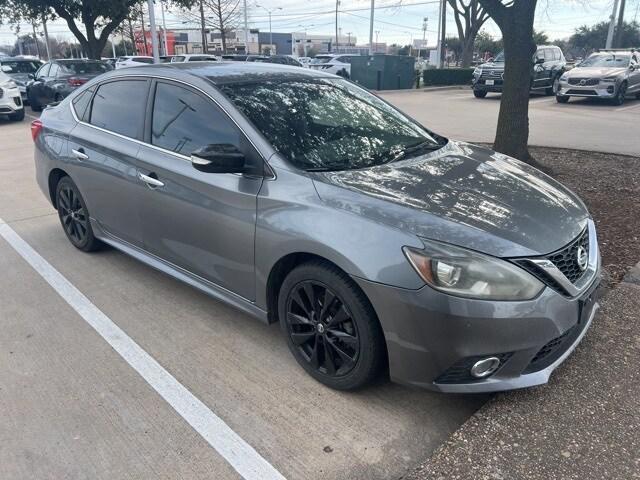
372	353
17	116
90	243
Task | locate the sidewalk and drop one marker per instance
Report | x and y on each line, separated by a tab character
584	425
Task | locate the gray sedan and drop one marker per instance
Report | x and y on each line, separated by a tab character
300	198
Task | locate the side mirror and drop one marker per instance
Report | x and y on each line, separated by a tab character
218	158
539	60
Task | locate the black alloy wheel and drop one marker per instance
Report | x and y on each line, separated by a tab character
74	216
621	95
322	328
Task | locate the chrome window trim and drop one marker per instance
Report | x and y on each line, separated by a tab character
592	268
269	172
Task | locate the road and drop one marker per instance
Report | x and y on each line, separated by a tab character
582	124
119	404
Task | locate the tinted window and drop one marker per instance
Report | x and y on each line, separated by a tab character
143	60
54	70
81	102
120	107
44	71
184	121
82	68
557	54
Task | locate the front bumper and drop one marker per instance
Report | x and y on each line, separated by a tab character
601	90
429	333
10	101
492	84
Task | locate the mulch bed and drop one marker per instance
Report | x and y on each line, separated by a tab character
610	187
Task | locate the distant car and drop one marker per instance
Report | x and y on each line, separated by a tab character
194	57
549	65
19	69
235	57
337	64
58	78
166	58
607	74
111	61
133	61
305	61
279	59
10	100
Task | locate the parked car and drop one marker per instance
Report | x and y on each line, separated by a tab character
10	99
279	59
234	57
111	61
608	74
133	61
301	198
337	64
193	57
549	65
58	78
19	69
304	61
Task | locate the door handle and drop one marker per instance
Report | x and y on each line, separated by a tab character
150	181
79	154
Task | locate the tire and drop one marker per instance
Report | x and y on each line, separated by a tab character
638	96
74	216
562	98
35	106
17	116
479	93
620	96
555	85
330	326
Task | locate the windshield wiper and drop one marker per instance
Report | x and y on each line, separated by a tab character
427	146
325	169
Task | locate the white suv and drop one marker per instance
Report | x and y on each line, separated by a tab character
10	100
336	64
133	61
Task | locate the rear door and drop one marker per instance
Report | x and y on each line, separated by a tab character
36	89
103	149
201	222
634	75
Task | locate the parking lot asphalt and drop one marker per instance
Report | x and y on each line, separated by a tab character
582	124
75	406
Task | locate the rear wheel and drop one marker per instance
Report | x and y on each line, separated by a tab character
562	98
331	328
622	93
555	86
74	216
479	93
17	116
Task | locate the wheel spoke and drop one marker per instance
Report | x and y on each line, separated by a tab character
64	200
314	360
346	358
327	303
301	303
295	319
340	316
302	338
328	357
311	296
344	337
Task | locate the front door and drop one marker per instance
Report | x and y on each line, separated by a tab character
203	223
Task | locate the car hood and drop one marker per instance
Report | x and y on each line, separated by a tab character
493	65
595	72
19	78
465	195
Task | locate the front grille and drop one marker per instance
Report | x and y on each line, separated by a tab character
565	259
587	81
550	348
581	92
460	372
489	74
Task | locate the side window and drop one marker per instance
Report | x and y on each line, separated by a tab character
81	102
556	54
184	121
55	68
44	70
548	55
120	107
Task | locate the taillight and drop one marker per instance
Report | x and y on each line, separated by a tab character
36	128
76	82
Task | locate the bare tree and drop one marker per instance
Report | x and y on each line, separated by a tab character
515	19
219	15
469	16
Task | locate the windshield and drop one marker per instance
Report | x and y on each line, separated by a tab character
327	124
20	66
499	58
607	60
82	68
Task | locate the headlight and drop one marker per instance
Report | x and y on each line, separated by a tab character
609	79
8	84
477	71
466	273
564	77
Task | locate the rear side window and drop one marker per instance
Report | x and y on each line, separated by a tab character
81	102
184	121
120	107
44	70
548	55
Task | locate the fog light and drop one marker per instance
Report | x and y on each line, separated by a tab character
485	367
610	89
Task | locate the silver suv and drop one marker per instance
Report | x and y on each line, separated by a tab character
610	74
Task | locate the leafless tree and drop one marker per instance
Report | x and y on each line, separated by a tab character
219	15
469	16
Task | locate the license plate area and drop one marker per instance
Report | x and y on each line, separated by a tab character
489	82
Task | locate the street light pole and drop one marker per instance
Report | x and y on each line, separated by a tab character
153	32
612	24
439	47
371	27
164	30
246	28
270	11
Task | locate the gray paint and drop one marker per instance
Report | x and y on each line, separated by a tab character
224	233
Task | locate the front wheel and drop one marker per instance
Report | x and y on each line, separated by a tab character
555	86
33	103
74	216
622	93
479	93
331	328
562	98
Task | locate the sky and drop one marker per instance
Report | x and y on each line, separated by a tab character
396	21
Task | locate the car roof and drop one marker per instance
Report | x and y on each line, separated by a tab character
221	73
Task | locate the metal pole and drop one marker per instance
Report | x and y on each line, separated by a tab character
153	33
270	34
46	36
612	24
439	47
202	25
371	27
620	27
337	5
113	46
246	28
164	31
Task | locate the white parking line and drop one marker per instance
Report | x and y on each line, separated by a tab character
630	107
240	455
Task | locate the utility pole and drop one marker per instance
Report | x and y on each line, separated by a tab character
425	21
373	7
144	34
164	30
620	27
202	26
612	23
46	36
153	33
443	34
439	44
377	33
246	28
337	5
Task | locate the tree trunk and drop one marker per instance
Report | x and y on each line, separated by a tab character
467	51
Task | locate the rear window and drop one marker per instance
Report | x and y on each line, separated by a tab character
84	68
120	107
